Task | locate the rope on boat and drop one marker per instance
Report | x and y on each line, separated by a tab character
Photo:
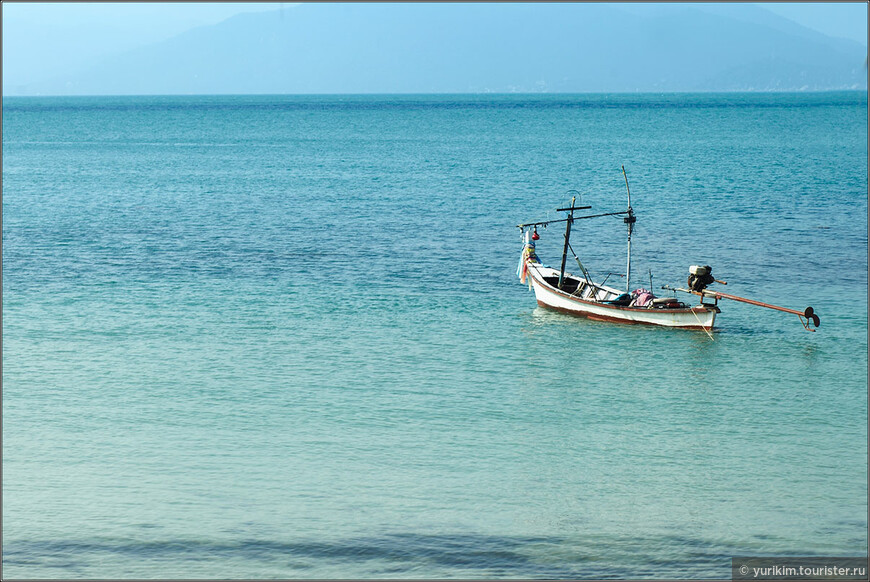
702	326
579	264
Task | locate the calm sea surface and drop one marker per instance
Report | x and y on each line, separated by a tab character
282	337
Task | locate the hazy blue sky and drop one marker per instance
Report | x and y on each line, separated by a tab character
50	39
148	22
845	19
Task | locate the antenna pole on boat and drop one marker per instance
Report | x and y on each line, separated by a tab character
629	220
567	235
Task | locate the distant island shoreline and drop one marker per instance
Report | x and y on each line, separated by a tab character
863	92
460	48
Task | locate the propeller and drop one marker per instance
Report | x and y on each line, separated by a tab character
810	315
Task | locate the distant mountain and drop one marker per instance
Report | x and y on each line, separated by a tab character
459	48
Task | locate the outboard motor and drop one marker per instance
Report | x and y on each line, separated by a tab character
700	277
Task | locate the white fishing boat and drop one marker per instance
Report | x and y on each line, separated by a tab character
580	295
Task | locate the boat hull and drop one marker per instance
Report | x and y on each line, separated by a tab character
697	317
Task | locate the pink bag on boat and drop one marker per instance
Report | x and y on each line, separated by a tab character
642	298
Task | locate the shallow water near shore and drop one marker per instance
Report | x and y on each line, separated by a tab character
282	337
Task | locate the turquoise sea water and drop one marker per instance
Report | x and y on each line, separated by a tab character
282	337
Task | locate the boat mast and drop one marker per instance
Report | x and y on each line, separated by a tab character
567	235
629	220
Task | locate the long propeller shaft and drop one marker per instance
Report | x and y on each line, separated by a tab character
719	295
807	314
